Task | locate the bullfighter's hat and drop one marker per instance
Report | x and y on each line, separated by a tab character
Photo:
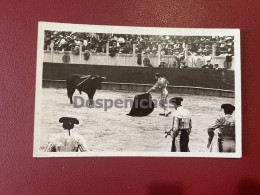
228	108
68	122
176	100
157	74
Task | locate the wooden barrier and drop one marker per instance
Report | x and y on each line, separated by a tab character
144	87
203	78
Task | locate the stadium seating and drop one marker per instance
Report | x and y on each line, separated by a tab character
144	44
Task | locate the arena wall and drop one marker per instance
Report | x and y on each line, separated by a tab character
189	80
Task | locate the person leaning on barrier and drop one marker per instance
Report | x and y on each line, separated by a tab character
162	64
224	139
208	65
67	141
181	127
216	66
182	65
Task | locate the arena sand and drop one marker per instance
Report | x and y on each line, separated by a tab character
113	130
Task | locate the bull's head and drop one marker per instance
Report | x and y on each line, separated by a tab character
98	81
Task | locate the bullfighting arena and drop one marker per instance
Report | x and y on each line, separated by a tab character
113	130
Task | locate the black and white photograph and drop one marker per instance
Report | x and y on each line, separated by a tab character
137	91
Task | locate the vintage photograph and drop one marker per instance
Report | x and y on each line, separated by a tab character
137	91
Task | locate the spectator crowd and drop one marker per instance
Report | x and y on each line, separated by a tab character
145	44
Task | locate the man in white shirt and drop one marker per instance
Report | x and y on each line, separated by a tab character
181	127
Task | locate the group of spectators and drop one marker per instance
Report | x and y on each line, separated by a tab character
182	64
145	44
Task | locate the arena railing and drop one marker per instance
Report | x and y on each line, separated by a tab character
132	59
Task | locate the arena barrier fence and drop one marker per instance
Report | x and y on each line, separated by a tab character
144	87
187	81
195	77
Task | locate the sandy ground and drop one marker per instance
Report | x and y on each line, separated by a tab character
113	130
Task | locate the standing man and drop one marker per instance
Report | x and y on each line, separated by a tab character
226	131
161	84
181	127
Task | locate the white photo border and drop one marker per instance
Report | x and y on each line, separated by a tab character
42	26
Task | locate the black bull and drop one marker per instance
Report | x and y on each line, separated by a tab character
86	83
